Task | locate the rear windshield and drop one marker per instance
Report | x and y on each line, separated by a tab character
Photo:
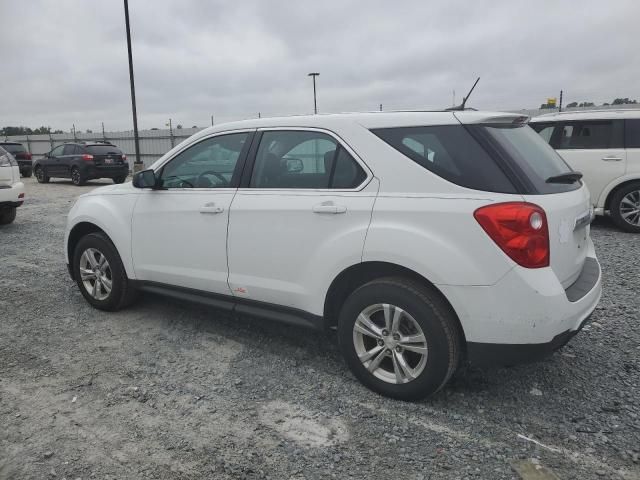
450	152
531	155
13	147
103	150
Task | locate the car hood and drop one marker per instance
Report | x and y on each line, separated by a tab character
121	189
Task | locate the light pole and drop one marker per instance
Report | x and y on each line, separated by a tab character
137	164
315	103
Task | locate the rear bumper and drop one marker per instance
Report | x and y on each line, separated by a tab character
11	196
24	164
527	314
103	171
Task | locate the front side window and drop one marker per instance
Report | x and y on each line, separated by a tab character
210	163
596	134
57	152
632	133
304	159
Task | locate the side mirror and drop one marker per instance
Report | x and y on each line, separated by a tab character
145	179
294	165
46	155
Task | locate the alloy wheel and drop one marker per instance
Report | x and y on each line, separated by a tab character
95	273
39	174
75	176
630	208
390	343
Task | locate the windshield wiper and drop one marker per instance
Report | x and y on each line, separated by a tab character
569	177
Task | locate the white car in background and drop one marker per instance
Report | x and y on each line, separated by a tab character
605	146
11	188
424	238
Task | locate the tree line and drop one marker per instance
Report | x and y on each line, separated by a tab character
9	131
617	101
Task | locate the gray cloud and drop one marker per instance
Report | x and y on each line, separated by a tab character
65	62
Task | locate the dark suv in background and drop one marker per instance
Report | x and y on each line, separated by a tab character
22	156
81	162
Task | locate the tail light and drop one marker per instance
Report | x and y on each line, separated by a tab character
27	156
520	229
87	158
124	157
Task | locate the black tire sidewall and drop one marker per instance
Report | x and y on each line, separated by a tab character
8	215
428	315
41	178
615	208
118	275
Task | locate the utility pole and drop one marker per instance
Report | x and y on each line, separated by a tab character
73	129
104	137
137	164
212	120
315	103
453	100
380	107
560	107
171	134
259	116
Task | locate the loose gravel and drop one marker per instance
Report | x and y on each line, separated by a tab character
172	390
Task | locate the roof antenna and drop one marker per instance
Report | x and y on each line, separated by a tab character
464	99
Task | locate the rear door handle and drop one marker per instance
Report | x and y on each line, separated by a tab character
211	208
329	208
612	159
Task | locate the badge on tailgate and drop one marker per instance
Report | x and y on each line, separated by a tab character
583	219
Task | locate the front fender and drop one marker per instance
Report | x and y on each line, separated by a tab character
112	214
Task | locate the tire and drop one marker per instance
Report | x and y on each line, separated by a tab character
119	179
40	176
421	307
122	292
7	215
623	203
76	177
26	172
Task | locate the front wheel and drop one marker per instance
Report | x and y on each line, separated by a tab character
76	177
40	175
100	274
625	208
399	338
8	215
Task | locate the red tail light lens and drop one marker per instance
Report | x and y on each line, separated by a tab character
520	229
28	156
87	158
124	157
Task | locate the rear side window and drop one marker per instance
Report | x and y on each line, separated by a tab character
103	150
593	134
70	150
450	152
545	130
632	133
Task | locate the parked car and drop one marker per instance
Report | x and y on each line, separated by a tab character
21	154
605	146
424	239
81	162
11	188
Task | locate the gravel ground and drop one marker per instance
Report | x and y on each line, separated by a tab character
170	390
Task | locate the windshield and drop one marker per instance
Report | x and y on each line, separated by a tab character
528	150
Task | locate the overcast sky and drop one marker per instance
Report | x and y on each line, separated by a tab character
65	61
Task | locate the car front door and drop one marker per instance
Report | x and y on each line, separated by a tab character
595	148
301	213
52	164
180	229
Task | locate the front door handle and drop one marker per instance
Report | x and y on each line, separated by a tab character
612	159
211	208
329	208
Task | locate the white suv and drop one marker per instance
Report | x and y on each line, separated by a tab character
604	145
424	238
11	188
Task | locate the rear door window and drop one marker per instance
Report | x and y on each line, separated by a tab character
592	134
70	150
632	133
450	152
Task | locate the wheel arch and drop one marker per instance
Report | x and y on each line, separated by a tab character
78	231
612	190
357	275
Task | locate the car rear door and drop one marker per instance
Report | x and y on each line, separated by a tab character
300	215
180	230
595	148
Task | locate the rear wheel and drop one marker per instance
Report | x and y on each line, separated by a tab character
100	275
625	208
76	177
40	175
120	179
8	215
399	338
